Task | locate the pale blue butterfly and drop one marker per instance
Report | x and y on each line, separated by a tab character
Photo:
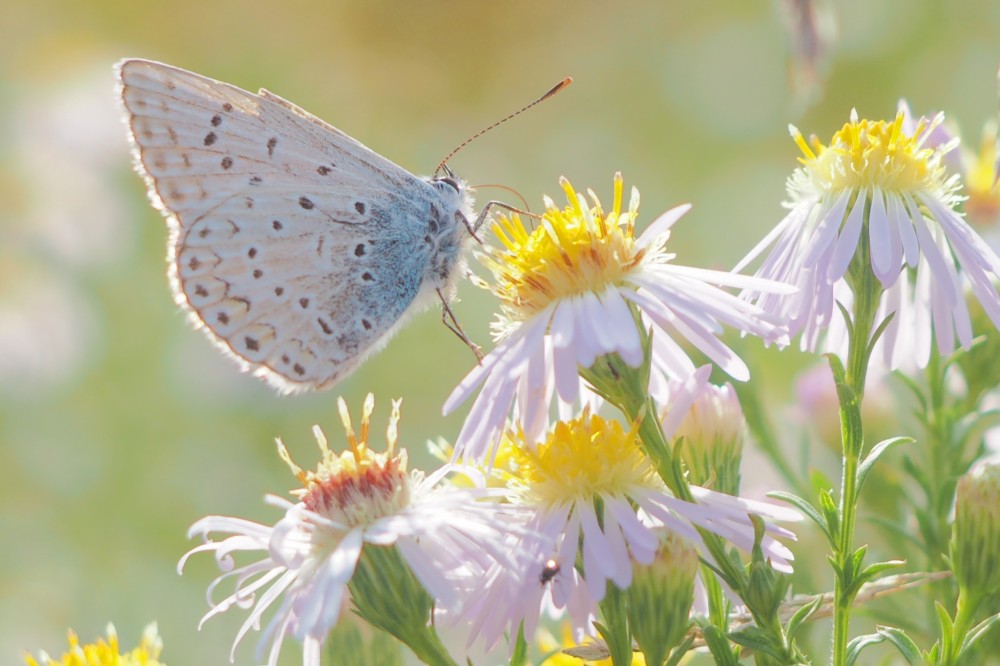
298	250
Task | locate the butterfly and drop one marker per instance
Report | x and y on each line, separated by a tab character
295	248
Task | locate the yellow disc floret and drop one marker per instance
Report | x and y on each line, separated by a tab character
983	206
872	154
358	485
582	459
580	248
106	653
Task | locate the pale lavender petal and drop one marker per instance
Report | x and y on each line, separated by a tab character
847	241
791	221
621	328
622	571
938	264
729	279
685	396
884	264
661	225
641	540
908	236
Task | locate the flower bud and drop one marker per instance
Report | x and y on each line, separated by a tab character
660	597
710	439
975	536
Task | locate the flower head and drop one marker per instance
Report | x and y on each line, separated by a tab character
106	653
581	285
878	198
353	502
594	493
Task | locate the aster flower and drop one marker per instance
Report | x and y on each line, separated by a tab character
357	511
879	194
571	290
594	493
106	652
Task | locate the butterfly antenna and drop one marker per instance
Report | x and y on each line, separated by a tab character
527	208
556	88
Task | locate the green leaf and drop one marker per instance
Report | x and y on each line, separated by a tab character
805	507
802	615
976	633
947	628
678	652
857	562
757	640
520	655
866	465
903	643
719	646
873	570
859	643
877	334
829	508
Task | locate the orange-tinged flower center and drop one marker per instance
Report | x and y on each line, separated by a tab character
358	485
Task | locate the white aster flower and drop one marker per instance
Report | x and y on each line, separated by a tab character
571	289
597	497
352	502
878	198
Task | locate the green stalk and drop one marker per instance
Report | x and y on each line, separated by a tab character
965	609
867	291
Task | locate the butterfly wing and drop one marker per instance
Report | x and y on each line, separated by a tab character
296	248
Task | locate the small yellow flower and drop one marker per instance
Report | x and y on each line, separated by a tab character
106	652
553	646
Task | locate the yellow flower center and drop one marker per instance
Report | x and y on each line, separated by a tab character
580	460
571	251
865	153
983	205
105	653
358	485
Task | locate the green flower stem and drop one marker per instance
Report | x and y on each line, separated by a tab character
941	469
965	610
616	630
867	291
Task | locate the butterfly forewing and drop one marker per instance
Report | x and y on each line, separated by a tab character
298	249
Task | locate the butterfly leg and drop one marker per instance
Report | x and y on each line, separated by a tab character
485	211
449	320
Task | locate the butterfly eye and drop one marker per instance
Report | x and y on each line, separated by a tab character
450	181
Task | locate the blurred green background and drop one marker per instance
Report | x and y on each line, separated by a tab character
120	426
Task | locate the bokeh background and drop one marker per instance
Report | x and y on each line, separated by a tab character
120	425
